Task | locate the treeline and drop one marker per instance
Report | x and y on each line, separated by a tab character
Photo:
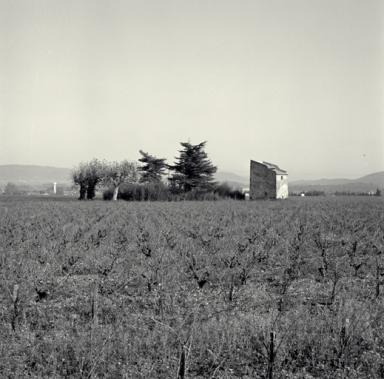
308	193
336	193
190	177
348	193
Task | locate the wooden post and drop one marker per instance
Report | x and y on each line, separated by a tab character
271	355
377	294
15	300
94	305
181	369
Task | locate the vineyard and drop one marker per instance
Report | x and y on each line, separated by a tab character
226	289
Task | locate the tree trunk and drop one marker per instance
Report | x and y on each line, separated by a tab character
83	191
91	191
115	192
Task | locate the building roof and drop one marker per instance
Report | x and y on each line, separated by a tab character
275	168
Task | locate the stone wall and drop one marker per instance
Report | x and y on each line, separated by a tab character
262	182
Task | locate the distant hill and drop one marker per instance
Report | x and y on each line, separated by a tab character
233	180
33	175
364	184
376	178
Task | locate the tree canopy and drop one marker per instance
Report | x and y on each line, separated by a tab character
193	169
152	169
11	189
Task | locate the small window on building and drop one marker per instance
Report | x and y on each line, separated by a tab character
282	177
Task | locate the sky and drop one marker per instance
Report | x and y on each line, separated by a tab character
299	83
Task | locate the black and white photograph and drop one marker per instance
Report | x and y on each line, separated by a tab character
192	189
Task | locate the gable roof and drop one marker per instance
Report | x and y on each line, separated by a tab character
275	168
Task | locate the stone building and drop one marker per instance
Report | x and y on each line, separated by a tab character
267	181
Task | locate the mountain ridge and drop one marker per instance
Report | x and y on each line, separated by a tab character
34	174
374	178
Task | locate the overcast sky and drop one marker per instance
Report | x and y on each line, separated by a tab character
296	82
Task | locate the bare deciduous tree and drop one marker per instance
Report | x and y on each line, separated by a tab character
117	173
87	176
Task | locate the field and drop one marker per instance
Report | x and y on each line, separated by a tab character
276	289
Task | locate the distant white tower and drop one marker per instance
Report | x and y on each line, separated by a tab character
54	188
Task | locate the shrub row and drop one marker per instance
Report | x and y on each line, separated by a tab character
160	192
